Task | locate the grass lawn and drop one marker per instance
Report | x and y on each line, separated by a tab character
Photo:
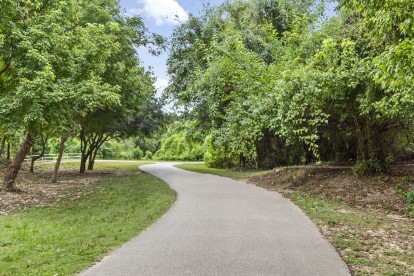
99	165
370	241
236	174
69	237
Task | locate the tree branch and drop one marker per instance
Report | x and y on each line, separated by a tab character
4	69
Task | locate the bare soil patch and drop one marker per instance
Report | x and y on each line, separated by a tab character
369	223
338	182
36	189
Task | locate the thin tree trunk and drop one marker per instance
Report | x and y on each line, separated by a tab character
8	151
34	159
360	135
92	159
63	140
4	69
2	146
97	145
42	153
84	159
84	151
14	168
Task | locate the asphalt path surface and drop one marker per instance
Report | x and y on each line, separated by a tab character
219	226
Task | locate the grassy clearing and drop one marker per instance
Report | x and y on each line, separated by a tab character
236	174
67	238
371	241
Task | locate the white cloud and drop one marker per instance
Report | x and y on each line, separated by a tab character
162	11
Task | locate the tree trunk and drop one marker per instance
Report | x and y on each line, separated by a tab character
92	158
14	168
89	147
2	146
84	151
34	159
84	159
362	147
242	161
376	146
90	163
63	140
8	151
98	142
42	153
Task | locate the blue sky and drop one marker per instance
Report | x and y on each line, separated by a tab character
160	16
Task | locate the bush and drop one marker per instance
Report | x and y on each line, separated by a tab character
111	150
137	154
368	167
148	155
179	143
409	197
216	156
125	155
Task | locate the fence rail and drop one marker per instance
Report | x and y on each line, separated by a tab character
53	157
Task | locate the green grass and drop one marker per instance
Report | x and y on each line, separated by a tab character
67	238
236	174
99	165
367	254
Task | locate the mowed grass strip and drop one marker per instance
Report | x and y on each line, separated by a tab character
68	238
236	174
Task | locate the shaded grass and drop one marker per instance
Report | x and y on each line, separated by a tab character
236	174
69	237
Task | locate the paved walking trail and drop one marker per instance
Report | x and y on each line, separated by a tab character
223	227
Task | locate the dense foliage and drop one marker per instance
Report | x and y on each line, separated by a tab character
68	68
182	141
281	82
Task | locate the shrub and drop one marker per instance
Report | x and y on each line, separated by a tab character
409	197
180	143
148	155
125	155
137	154
368	167
216	156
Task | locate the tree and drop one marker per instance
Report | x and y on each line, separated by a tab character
390	28
63	55
280	83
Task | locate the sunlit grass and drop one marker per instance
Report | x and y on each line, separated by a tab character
99	165
69	237
236	174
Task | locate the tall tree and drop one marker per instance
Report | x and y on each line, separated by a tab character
63	56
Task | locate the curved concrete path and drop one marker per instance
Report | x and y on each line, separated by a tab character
223	227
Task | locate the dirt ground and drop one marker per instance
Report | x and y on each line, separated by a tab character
338	182
383	249
36	189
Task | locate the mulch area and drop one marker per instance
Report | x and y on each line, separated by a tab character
36	189
375	193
